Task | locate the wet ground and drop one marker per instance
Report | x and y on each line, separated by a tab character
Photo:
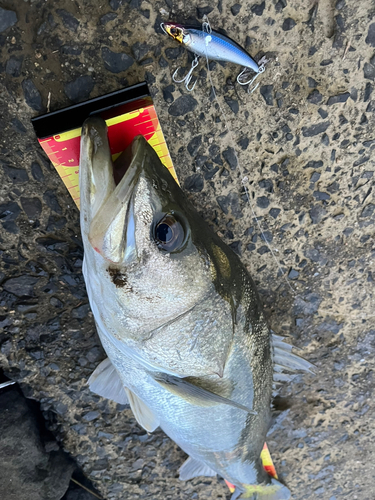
305	141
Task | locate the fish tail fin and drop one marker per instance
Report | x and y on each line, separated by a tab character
272	491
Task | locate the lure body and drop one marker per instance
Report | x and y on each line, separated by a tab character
213	45
218	47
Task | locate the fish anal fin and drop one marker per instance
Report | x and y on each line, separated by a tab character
142	413
193	468
105	382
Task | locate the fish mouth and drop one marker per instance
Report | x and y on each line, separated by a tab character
128	157
107	207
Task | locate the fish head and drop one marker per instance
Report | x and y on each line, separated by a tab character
141	229
134	206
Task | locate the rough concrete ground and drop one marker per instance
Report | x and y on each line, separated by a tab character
305	140
32	466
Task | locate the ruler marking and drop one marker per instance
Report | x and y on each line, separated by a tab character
142	123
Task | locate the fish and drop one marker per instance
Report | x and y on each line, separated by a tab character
179	317
212	45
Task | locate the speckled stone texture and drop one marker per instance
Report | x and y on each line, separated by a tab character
305	142
32	466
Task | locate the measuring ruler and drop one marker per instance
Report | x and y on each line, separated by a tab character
64	149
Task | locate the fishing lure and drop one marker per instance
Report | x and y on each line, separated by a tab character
212	45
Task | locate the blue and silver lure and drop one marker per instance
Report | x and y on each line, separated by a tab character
212	45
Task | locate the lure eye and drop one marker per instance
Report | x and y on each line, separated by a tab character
174	31
169	234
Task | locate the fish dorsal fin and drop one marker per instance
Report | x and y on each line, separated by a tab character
106	382
193	393
193	468
284	359
142	413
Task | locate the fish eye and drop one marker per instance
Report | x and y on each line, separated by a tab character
169	234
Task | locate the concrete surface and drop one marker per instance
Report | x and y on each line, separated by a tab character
31	464
305	140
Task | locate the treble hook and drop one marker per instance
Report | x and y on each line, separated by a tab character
162	27
245	70
187	78
206	25
262	66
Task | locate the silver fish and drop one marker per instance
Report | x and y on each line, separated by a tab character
179	317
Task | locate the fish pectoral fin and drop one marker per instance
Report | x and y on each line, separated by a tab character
105	382
193	393
142	413
193	468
